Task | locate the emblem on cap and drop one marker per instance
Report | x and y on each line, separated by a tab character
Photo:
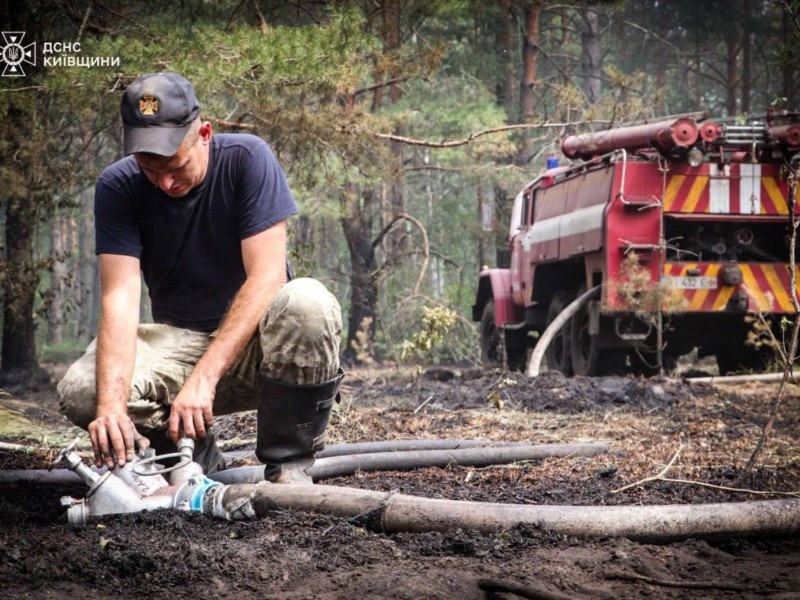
148	105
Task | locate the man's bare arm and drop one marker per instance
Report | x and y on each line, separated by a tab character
112	429
264	256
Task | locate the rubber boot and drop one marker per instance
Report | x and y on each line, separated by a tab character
291	426
206	453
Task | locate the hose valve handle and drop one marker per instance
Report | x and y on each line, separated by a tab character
63	456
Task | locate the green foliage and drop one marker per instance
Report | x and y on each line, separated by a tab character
636	291
435	325
64	352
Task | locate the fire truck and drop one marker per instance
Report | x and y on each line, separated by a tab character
681	229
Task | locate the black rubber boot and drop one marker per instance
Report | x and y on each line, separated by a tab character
206	453
291	426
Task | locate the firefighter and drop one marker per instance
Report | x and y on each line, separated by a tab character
202	218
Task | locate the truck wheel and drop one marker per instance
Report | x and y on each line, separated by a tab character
587	357
516	351
491	342
744	359
558	353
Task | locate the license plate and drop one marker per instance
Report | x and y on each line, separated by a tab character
691	283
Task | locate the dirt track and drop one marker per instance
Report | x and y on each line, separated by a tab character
295	555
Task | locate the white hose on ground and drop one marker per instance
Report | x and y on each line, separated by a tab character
337	466
535	362
760	377
391	512
411	444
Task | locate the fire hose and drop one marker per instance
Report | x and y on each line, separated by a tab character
345	459
535	362
140	486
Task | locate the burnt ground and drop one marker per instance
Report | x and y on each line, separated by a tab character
294	555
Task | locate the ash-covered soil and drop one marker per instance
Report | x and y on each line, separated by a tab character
705	434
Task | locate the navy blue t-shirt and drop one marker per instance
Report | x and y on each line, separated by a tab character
190	247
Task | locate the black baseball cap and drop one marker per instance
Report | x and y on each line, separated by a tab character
157	110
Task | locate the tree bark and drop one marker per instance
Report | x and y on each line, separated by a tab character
747	56
530	50
386	202
788	86
357	226
591	54
732	56
60	247
527	100
19	364
505	37
397	241
87	285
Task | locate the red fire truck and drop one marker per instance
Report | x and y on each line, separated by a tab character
680	225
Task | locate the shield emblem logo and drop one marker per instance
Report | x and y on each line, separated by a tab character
148	105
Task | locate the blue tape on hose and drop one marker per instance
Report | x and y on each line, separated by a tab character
196	503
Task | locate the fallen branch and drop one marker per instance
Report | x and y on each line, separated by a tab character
661	477
726	488
693	585
416	410
233	124
492	586
660	474
472	136
6	447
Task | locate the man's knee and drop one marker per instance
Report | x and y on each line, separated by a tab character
77	396
300	334
308	306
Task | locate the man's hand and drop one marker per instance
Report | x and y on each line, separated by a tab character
191	412
114	435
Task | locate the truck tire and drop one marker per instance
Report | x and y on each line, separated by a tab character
744	359
558	352
492	343
587	357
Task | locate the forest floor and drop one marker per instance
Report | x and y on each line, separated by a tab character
294	555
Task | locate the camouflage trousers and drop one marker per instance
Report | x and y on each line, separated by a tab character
297	342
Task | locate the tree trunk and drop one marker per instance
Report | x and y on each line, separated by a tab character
698	65
437	267
386	204
787	67
527	100
356	226
19	365
660	86
60	248
732	55
747	56
481	217
530	49
591	54
505	36
397	241
87	286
